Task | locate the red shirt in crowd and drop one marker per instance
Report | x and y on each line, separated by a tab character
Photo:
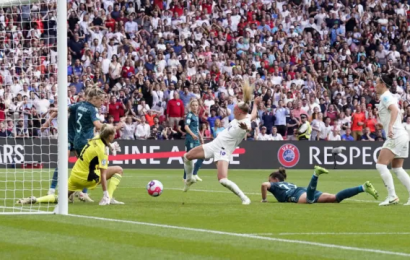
356	118
371	124
116	110
175	108
127	72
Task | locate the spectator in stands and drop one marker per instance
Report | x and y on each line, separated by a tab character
205	132
115	109
263	135
325	129
275	135
367	135
143	130
358	121
218	128
347	136
334	134
175	110
186	95
280	118
268	118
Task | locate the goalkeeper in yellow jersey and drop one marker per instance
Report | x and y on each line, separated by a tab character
90	170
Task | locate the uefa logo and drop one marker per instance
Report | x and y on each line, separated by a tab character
288	155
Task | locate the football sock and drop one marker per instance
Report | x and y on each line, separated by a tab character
198	165
54	180
403	177
232	187
113	183
48	198
387	179
348	193
311	189
188	167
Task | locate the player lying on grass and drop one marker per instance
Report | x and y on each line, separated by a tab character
288	192
90	170
222	147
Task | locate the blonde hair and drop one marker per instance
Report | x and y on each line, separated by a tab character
94	91
247	91
193	100
105	132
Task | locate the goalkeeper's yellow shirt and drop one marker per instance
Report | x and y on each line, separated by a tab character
93	157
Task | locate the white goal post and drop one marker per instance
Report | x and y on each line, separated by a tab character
33	54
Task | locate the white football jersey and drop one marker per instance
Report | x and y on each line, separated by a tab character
232	136
386	100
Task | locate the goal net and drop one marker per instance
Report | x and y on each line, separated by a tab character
28	96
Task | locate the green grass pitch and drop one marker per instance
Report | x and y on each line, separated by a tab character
211	223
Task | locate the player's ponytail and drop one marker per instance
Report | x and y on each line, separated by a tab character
280	174
247	90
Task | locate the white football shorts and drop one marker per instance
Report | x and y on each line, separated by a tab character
217	151
399	145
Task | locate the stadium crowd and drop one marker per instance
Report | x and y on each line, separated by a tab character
310	61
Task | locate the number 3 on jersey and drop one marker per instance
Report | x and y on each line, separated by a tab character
79	123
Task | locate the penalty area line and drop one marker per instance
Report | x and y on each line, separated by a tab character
281	240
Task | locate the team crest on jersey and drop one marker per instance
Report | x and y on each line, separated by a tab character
288	155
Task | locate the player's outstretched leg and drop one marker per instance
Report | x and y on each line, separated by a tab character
350	192
33	200
222	167
54	181
311	189
404	179
196	153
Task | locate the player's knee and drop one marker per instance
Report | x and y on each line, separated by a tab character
188	156
120	171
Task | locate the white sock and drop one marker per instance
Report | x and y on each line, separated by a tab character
387	179
188	167
403	177
233	187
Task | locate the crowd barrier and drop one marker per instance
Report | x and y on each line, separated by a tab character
253	155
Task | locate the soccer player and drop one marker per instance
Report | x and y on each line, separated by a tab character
90	170
222	147
72	121
396	147
288	192
193	137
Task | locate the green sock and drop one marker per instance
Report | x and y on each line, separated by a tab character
113	183
48	198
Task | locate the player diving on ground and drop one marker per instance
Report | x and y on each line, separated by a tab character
396	147
288	192
90	170
221	148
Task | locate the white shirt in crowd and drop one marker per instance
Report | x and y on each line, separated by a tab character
333	137
143	131
264	137
324	131
127	132
277	137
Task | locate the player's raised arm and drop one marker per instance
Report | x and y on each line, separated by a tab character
254	112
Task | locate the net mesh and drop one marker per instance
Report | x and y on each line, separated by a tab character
28	76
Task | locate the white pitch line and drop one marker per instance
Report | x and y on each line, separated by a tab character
335	233
209	231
